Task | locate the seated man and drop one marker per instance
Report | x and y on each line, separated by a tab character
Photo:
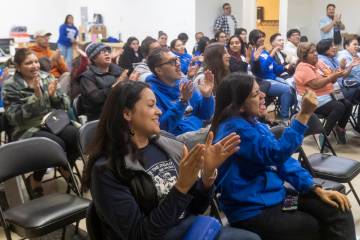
185	107
41	49
96	82
147	46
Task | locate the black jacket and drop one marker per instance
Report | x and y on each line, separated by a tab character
128	58
123	217
94	89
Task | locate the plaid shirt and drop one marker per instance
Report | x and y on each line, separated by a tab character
221	23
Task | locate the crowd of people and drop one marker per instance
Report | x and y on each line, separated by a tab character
145	183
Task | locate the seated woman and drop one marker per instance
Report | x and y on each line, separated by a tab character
350	54
200	49
251	181
217	61
130	55
220	37
277	46
314	75
96	82
268	70
145	185
239	62
177	47
350	88
28	96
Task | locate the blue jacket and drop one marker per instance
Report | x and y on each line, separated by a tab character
173	118
67	34
269	69
185	60
252	178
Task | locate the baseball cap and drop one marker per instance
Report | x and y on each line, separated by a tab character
42	33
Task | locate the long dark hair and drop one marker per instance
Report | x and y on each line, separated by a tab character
242	47
67	17
230	96
213	60
113	138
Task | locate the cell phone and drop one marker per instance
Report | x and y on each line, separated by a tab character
290	203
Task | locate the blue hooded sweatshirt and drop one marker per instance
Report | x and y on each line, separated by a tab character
173	118
252	179
269	69
185	60
67	34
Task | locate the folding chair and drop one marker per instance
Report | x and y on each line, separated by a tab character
50	212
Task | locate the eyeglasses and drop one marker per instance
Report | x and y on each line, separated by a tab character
105	51
173	62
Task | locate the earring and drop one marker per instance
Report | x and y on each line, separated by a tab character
131	131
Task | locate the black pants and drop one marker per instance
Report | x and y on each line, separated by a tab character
67	139
314	220
336	112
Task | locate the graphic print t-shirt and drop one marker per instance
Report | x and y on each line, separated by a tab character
160	167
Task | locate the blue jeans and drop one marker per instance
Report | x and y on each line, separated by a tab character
286	96
227	233
67	53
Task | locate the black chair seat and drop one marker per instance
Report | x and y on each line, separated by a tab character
46	214
334	168
330	185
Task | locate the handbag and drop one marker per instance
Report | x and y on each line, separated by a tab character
55	121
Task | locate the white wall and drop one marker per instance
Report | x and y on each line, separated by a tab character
36	15
208	10
141	18
138	18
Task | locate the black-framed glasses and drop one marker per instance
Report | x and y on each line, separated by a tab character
173	62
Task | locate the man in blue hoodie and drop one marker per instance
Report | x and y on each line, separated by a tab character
184	107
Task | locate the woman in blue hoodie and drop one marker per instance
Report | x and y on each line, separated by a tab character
178	48
67	36
251	181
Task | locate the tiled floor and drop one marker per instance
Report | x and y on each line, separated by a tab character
351	150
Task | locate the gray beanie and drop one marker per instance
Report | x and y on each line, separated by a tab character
94	49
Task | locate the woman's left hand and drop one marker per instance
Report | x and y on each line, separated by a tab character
206	86
216	154
333	198
52	88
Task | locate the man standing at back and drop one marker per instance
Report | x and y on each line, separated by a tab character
331	25
226	22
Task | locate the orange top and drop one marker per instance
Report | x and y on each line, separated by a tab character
57	67
306	73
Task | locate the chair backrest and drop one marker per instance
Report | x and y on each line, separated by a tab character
93	223
87	134
314	126
29	155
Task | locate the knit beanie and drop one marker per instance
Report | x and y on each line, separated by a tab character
94	49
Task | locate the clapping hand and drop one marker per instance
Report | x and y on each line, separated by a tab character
216	154
258	52
52	88
189	167
186	90
207	85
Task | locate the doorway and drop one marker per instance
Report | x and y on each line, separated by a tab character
268	18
